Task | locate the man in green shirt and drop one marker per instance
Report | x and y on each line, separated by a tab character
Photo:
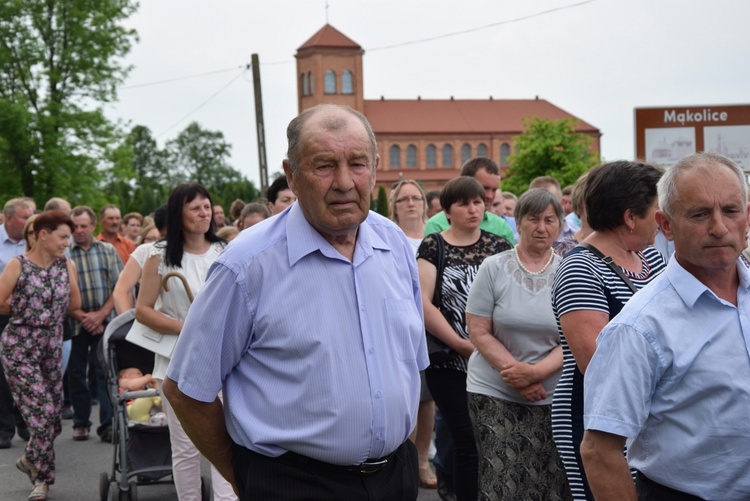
485	171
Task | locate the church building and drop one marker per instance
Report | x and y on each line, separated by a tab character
423	139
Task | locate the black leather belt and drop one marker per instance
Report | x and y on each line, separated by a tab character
369	467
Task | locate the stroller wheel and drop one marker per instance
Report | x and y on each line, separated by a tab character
103	486
133	488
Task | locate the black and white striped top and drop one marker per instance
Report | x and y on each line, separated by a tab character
584	282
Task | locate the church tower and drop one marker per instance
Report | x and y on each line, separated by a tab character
329	70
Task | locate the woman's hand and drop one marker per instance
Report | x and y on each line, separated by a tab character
533	393
520	375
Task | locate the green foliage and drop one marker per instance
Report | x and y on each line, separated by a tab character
382	206
58	60
142	175
548	148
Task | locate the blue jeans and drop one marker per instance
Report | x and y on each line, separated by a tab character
82	346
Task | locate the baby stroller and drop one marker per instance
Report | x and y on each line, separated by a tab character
142	452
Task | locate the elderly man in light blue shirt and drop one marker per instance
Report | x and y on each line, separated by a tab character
16	211
311	323
671	372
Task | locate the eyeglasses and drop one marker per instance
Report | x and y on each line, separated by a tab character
415	199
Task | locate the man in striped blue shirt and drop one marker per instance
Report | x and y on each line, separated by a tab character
98	268
311	323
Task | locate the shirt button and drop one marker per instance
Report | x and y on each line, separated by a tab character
377	394
371	351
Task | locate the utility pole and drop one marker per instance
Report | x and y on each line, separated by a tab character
259	124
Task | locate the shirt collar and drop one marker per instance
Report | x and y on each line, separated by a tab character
303	239
690	288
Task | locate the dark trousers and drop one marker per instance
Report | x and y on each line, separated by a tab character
10	416
448	389
82	346
648	490
261	477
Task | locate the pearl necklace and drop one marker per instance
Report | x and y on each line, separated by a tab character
544	268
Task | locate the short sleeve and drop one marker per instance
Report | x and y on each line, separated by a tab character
620	381
428	249
578	286
482	298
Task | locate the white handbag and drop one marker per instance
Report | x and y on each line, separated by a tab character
146	337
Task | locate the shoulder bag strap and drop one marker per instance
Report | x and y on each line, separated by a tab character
609	262
437	295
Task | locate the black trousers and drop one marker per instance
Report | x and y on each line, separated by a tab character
10	416
448	389
648	490
263	478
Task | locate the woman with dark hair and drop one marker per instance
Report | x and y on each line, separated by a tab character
593	283
42	288
514	370
464	246
189	249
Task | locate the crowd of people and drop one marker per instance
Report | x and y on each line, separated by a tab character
488	345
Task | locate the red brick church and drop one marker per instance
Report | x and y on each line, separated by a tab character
423	139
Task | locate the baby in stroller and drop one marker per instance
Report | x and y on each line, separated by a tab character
145	410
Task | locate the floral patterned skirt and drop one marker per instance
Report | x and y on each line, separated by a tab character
517	455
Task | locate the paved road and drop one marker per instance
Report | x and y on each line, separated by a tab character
78	467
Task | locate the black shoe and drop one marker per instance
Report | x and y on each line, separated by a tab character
107	436
23	432
67	413
445	486
5	443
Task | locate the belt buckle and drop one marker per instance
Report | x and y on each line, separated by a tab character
371	467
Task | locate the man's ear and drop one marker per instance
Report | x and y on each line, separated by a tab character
662	219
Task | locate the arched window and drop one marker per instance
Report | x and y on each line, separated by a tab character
431	156
411	156
310	83
394	156
303	84
330	82
481	150
347	82
465	153
447	155
504	153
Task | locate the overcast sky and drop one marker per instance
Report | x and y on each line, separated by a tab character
597	59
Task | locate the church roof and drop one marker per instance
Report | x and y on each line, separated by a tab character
329	37
432	116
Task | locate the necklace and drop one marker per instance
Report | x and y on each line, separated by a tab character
546	265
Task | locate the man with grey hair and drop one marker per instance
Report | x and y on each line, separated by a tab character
12	244
322	394
671	373
57	203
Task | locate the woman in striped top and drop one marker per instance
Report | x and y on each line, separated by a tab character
587	293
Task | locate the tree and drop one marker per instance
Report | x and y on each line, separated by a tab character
548	148
58	60
382	205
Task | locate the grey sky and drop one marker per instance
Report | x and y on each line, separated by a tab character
598	60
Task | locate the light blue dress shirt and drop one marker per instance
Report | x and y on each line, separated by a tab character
672	373
316	354
8	248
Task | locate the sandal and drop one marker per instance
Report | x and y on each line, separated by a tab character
39	493
26	467
427	479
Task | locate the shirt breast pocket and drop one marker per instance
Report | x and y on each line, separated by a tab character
405	328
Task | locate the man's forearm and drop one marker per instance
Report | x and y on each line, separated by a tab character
204	423
606	467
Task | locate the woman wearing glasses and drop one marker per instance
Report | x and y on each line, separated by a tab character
409	211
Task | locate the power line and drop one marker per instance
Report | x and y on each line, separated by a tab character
486	26
204	102
178	79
